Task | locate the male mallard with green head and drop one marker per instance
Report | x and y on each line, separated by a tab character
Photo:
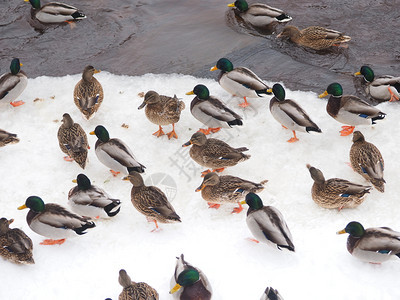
349	110
135	290
13	84
55	12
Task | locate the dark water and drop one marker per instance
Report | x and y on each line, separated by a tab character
170	36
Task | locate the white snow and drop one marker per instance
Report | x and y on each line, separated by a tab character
86	267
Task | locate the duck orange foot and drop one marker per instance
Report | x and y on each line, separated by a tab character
347	130
17	103
213	205
114	173
68	158
245	103
393	97
219	170
204	173
52	242
205	131
159	132
253	240
237	210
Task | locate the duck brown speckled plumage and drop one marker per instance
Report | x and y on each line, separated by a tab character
214	153
151	201
217	190
162	110
135	291
88	93
335	192
73	141
15	245
7	138
314	37
366	160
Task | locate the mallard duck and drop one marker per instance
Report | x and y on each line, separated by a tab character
266	223
211	111
54	221
289	114
383	88
135	291
349	109
240	81
114	153
88	93
7	138
373	245
73	141
151	201
15	245
271	294
315	37
55	12
366	159
335	192
91	201
227	189
259	14
162	110
189	282
214	153
13	84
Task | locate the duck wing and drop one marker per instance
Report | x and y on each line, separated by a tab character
18	241
358	106
7	83
345	188
247	78
296	113
380	239
120	152
155	200
218	110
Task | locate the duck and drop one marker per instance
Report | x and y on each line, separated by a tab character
55	12
366	160
259	14
114	153
374	245
289	114
91	201
211	111
335	192
214	153
151	201
72	140
349	109
189	282
271	294
15	245
227	189
88	93
13	84
240	81
135	290
315	37
162	110
7	138
267	224
54	221
382	88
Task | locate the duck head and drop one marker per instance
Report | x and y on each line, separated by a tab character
151	97
35	203
201	91
197	138
334	89
367	73
278	91
88	73
223	64
241	5
101	133
354	228
35	3
135	178
316	174
186	278
15	66
211	178
83	182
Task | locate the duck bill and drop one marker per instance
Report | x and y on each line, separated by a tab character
142	105
214	68
126	178
92	133
357	73
269	91
201	187
175	288
74	181
324	94
187	144
341	231
231	5
190	93
22	207
10	221
97	71
243	202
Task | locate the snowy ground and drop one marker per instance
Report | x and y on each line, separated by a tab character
216	241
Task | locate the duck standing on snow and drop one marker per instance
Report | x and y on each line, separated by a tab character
7	138
72	140
135	290
227	189
382	88
290	114
211	111
151	201
315	37
335	192
55	12
214	153
240	81
189	282
366	160
259	15
162	110
15	245
114	153
13	84
271	294
88	93
266	223
54	221
349	109
91	201
374	245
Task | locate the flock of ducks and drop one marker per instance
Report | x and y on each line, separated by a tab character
267	224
